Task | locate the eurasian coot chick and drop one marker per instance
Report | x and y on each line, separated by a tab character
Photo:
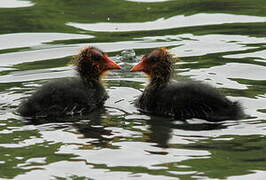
180	100
70	96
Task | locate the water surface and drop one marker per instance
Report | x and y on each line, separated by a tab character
220	42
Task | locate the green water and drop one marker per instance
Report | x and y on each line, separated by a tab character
220	42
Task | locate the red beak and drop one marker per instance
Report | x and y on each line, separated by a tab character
138	67
110	63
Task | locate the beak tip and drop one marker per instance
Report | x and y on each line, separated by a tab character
133	69
137	68
116	66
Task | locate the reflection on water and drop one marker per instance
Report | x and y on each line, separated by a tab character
162	129
15	4
173	22
220	42
23	40
227	73
147	1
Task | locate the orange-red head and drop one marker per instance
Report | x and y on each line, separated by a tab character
91	63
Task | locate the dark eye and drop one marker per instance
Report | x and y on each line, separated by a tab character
97	57
153	58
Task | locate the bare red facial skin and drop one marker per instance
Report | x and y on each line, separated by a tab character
156	52
145	65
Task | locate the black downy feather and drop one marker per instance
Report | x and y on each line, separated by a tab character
69	96
182	100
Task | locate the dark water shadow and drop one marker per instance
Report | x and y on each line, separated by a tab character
92	116
161	128
89	125
92	127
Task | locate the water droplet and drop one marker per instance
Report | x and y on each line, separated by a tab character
128	55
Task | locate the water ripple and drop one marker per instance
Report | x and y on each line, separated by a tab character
179	21
15	4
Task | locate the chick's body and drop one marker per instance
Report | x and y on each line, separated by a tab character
185	100
64	97
181	100
69	96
